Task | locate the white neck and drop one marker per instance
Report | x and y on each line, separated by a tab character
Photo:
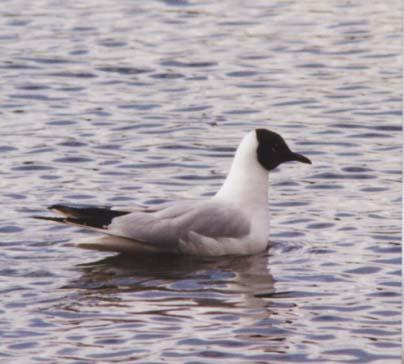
247	181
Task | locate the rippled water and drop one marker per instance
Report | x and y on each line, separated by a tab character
138	103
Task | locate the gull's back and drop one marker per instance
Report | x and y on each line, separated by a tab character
185	223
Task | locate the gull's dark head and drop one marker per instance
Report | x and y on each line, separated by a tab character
272	150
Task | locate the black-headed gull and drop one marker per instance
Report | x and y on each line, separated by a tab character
233	222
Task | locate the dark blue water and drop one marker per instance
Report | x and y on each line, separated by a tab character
138	103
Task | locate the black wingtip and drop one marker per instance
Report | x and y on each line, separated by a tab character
56	219
57	207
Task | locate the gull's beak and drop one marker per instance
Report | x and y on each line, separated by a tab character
299	158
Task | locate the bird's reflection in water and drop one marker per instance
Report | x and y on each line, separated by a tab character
222	298
240	281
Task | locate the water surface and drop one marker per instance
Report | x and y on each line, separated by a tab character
138	103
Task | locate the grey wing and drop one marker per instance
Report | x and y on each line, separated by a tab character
216	220
167	227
